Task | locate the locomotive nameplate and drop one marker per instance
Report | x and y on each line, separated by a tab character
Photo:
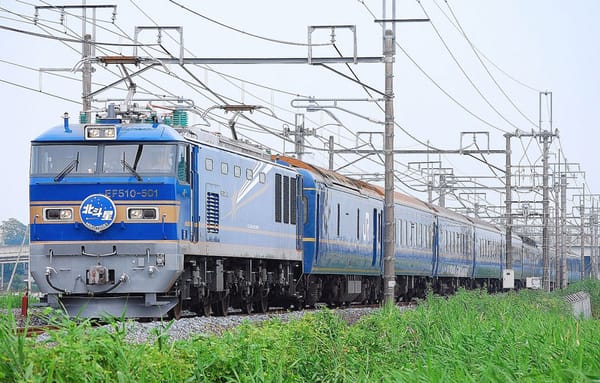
132	193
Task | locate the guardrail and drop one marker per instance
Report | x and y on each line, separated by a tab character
582	307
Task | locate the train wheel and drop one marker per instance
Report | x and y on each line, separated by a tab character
175	312
262	303
221	307
205	308
247	306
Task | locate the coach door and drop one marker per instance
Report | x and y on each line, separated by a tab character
377	236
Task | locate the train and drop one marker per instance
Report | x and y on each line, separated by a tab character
136	217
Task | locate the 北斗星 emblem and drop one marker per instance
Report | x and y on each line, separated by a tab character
97	212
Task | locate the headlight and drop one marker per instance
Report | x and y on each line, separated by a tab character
58	214
100	132
142	213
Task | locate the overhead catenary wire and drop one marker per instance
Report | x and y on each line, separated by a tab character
437	85
477	90
464	34
482	54
244	32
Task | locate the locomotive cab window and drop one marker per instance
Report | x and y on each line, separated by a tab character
142	158
51	160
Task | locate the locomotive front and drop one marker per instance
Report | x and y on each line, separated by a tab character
108	205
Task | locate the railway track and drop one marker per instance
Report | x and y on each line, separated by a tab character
192	325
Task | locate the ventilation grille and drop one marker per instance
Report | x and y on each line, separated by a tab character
212	212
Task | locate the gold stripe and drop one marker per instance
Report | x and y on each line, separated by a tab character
309	239
171	214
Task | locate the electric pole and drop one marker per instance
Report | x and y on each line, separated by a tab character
389	277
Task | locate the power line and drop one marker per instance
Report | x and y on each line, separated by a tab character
482	54
484	66
463	107
244	32
39	91
437	32
66	39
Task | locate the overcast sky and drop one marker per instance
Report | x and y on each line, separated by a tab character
527	47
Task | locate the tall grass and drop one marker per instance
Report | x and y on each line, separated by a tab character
470	337
10	301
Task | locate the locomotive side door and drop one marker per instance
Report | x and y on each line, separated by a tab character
195	196
184	193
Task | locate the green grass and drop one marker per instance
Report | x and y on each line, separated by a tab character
471	337
10	301
13	300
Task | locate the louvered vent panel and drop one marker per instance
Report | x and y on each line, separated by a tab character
212	212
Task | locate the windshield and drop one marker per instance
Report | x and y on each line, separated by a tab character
133	159
54	159
142	158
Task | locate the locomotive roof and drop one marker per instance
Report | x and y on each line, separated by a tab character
125	132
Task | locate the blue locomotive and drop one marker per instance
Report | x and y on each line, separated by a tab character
143	219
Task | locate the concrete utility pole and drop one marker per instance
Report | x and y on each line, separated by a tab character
582	233
545	215
563	233
389	49
509	223
389	277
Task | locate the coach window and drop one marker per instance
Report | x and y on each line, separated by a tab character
357	223
249	174
286	199
208	164
293	195
305	209
224	168
278	197
237	171
338	220
262	177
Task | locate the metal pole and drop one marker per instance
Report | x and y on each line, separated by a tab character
330	152
556	264
509	255
299	135
389	280
582	232
593	221
442	199
87	78
563	231
545	215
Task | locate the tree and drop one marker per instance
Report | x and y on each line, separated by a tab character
13	232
